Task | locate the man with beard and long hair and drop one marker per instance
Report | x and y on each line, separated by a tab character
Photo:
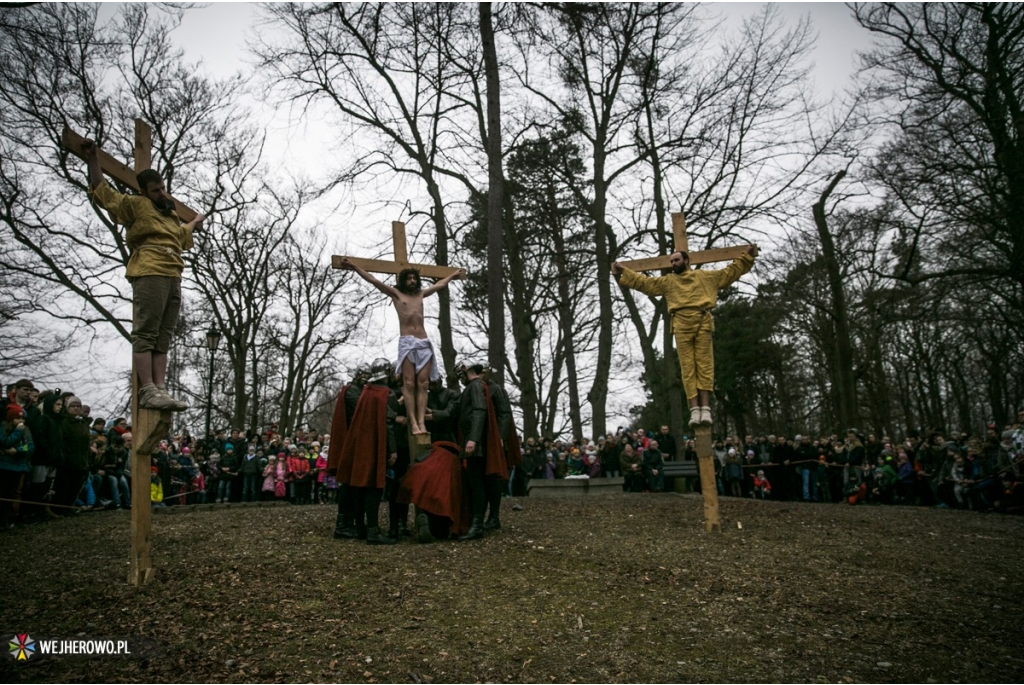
417	363
156	238
690	296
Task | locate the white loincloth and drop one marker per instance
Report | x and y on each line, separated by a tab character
420	352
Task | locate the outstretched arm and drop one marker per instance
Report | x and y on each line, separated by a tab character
636	281
92	161
443	283
739	266
369	278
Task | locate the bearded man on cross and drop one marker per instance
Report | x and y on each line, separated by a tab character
690	296
417	362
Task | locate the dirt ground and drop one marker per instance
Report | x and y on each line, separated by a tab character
616	588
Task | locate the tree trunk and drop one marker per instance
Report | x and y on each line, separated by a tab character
495	205
444	301
524	330
598	395
257	380
847	391
565	322
548	425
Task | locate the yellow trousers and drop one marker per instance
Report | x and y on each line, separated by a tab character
693	330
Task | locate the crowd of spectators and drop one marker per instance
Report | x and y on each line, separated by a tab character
57	460
946	470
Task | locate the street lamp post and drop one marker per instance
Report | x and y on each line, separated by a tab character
212	341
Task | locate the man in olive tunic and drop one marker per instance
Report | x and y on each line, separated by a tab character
156	237
690	295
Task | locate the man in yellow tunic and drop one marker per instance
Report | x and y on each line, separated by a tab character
690	296
156	238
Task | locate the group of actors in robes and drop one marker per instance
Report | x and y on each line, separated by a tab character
453	485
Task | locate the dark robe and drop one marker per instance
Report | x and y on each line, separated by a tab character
364	455
435	485
339	430
443	404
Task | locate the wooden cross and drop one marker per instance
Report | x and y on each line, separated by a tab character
702	433
122	173
401	261
149	426
682	243
381	266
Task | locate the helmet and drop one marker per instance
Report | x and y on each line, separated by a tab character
463	367
380	368
362	374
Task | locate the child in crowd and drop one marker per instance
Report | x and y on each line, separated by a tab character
331	488
1011	497
16	448
319	492
198	494
592	466
281	477
549	466
575	462
854	488
762	488
156	488
269	479
561	466
733	474
959	481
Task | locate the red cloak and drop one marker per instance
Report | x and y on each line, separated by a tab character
339	430
435	485
364	456
496	461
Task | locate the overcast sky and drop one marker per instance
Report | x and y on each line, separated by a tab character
217	32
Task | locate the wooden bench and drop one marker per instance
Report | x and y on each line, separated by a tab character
574	487
678	475
681	469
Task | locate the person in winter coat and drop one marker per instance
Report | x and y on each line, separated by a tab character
269	479
16	450
732	474
74	469
762	488
48	437
281	477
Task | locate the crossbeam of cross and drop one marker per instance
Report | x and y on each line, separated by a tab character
401	260
681	243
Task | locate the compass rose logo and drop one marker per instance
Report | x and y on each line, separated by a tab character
22	647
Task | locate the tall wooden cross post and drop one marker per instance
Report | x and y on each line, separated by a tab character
149	426
401	261
702	433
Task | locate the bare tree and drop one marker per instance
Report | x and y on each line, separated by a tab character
951	76
383	70
310	328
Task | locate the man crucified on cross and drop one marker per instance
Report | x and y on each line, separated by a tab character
416	362
156	237
690	296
